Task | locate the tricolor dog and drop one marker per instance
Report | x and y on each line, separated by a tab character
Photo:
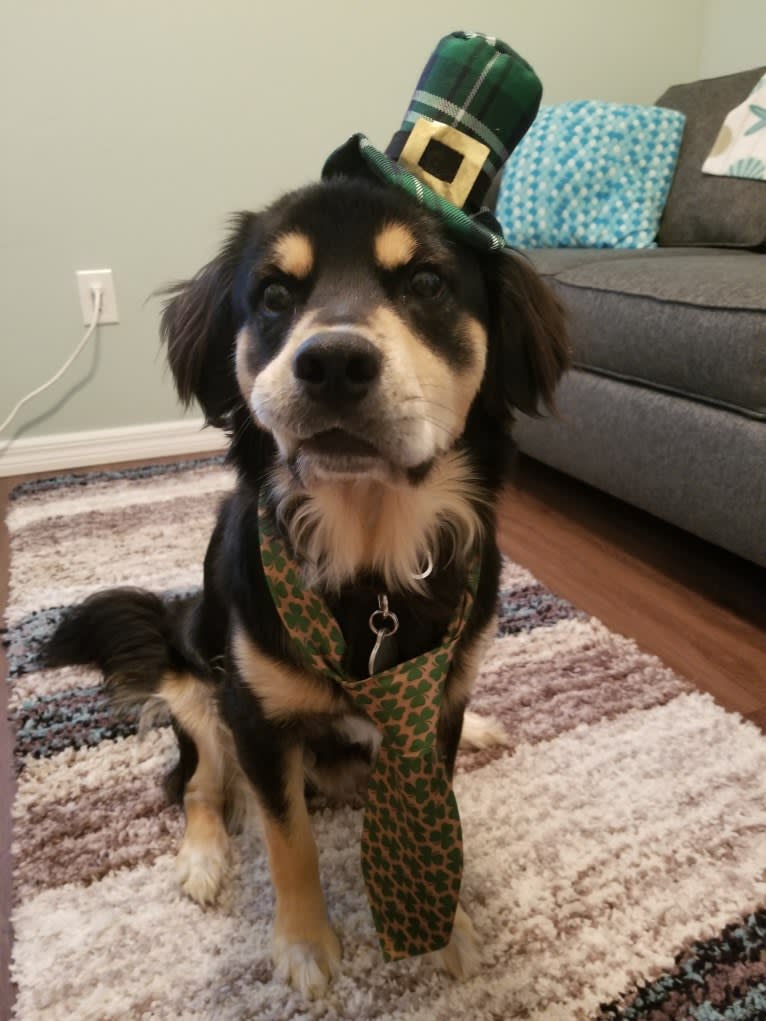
366	358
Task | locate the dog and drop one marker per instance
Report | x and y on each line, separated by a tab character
366	367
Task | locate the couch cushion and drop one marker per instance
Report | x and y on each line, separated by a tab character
697	466
705	210
692	322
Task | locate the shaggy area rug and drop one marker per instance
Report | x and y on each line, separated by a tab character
615	850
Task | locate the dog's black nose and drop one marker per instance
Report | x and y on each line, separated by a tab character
336	367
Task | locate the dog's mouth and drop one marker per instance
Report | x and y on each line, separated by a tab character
336	453
338	443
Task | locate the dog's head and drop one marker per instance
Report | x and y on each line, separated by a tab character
346	323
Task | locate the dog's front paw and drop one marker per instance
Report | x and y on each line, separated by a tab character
309	961
461	955
202	864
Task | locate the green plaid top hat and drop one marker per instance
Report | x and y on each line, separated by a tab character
473	103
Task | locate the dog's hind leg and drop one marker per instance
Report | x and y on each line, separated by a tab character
136	639
203	859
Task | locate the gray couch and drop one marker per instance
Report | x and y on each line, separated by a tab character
666	404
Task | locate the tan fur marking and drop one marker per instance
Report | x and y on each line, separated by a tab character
461	956
293	253
244	374
344	527
191	703
292	850
274	386
444	393
201	818
300	920
394	246
203	857
470	381
283	690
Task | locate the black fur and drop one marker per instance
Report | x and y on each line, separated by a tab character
132	636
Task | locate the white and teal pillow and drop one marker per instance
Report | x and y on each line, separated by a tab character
590	175
740	148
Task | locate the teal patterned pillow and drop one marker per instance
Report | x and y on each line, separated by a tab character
590	175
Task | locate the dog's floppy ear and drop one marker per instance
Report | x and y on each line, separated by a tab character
528	344
199	326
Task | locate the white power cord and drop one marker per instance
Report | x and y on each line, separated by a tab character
97	295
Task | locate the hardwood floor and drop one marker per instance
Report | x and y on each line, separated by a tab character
700	609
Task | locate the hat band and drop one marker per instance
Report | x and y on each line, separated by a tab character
445	159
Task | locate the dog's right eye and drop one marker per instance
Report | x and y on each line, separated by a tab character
276	298
426	283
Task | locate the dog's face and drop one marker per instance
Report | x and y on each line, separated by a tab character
359	334
363	344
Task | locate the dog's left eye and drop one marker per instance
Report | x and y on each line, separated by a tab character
426	284
276	298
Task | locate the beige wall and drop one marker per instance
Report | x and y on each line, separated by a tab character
734	36
131	129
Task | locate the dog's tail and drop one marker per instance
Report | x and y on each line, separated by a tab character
132	636
141	645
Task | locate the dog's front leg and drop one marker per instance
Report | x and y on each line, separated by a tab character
305	949
259	708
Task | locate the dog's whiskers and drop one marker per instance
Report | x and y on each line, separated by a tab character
246	422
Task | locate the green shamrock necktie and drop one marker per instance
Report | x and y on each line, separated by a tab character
412	844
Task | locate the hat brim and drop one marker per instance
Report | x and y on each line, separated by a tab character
358	155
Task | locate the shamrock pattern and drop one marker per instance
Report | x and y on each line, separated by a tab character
316	636
412	853
412	844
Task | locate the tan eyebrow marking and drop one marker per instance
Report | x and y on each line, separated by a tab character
293	254
394	246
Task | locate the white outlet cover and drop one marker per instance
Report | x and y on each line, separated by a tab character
86	278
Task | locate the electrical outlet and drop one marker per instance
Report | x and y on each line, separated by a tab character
86	279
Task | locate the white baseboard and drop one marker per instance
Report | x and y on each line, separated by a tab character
108	446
